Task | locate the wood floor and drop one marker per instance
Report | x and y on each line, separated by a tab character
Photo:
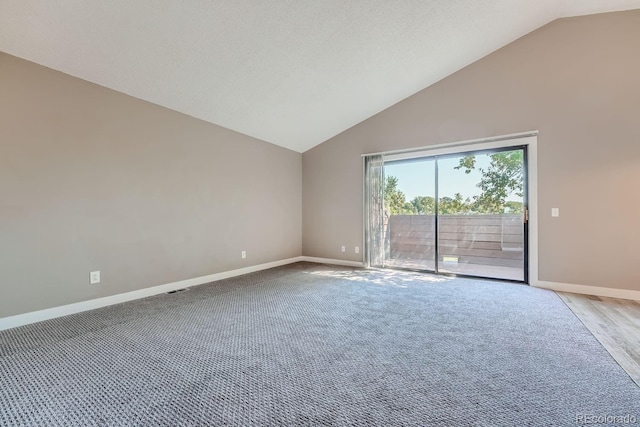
615	323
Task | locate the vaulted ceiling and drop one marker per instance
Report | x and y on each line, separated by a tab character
290	72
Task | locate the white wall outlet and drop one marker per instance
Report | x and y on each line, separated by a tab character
555	211
94	277
357	249
343	248
244	254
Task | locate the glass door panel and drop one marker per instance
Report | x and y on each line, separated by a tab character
409	214
481	205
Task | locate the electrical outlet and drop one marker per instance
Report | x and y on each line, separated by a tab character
555	211
244	254
343	248
357	249
94	277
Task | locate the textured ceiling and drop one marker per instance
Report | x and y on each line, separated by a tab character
290	72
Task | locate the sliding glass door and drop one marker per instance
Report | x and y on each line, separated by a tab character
481	224
462	214
410	220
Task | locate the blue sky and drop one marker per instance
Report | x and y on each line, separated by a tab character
416	178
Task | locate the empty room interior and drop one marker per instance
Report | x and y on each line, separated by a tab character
319	213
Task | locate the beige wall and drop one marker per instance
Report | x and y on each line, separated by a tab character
92	179
575	80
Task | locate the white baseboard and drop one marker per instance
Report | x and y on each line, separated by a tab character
65	310
51	313
332	261
588	290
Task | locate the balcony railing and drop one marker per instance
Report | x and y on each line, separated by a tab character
494	241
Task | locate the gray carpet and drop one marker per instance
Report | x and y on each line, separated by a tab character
317	345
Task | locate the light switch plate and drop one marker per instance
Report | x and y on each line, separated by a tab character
555	211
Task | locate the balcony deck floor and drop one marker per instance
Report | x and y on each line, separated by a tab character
480	270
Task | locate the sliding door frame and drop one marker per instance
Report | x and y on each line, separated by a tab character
526	141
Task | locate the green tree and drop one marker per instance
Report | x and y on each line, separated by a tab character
455	205
424	205
395	201
503	177
513	207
